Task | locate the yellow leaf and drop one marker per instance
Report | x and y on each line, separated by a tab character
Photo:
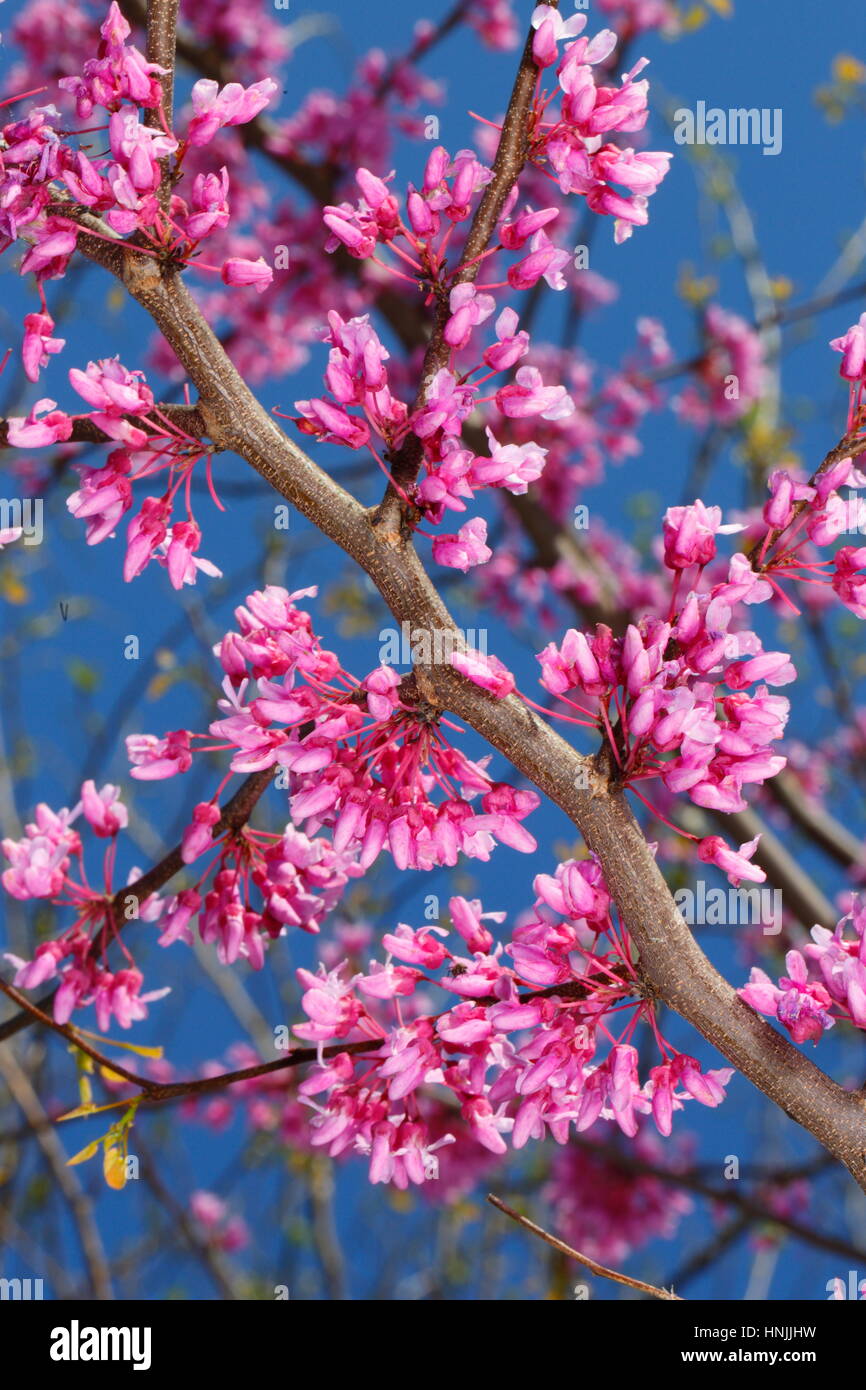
849	69
722	7
694	18
108	1075
84	1154
81	1111
114	1168
12	588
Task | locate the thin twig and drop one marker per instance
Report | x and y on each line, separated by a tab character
601	1270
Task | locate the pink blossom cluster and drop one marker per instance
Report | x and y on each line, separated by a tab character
518	1050
572	144
151	446
729	376
826	981
43	864
358	377
118	192
677	689
296	881
363	758
801	516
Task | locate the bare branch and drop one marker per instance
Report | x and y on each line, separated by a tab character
601	1270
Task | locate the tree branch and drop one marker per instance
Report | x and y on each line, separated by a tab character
601	1270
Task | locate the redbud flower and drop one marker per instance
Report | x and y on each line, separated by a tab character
33	433
38	343
103	810
466	549
238	271
852	345
486	671
734	863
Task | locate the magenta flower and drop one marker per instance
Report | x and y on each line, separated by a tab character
104	812
735	863
237	271
852	346
466	549
38	343
231	105
36	433
153	758
486	671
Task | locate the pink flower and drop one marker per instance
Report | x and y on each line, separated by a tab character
486	671
145	533
800	1005
116	393
514	235
153	758
104	495
381	687
466	549
468	309
233	105
526	395
510	345
179	543
38	343
848	581
713	850
545	261
103	810
689	535
550	30
198	836
237	271
852	346
34	433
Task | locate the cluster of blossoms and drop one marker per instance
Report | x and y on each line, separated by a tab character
152	445
298	881
52	186
802	515
826	981
573	144
520	1050
357	376
47	186
220	1228
362	409
364	758
730	374
673	697
44	863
